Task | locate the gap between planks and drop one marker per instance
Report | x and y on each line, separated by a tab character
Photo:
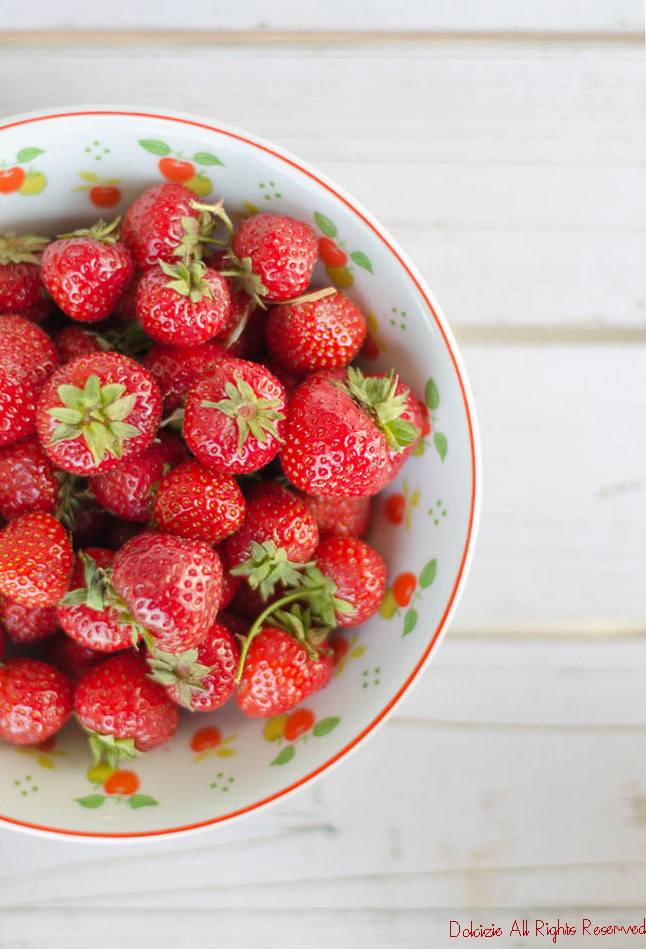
119	38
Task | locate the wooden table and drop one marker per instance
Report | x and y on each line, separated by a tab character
503	145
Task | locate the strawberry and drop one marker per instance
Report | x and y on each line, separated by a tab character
279	672
201	679
27	624
35	560
359	574
273	256
27	358
413	415
174	368
71	657
96	411
235	416
342	430
87	271
75	341
288	379
183	304
230	584
172	586
198	503
129	490
123	711
155	224
338	517
21	287
322	330
247	341
90	612
35	701
28	480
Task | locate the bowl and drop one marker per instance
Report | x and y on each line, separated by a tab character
72	166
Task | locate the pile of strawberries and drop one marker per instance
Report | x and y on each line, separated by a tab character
185	487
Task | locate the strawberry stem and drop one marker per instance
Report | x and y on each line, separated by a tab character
256	626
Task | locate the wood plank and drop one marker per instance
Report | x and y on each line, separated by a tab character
513	175
576	15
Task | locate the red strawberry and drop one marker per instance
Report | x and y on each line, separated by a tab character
275	255
35	701
247	341
174	368
412	414
274	514
154	225
278	673
21	287
87	272
338	517
172	586
27	624
75	341
28	480
129	490
27	358
230	584
183	303
124	712
96	411
71	657
35	560
88	613
198	503
235	416
359	574
342	430
322	330
288	379
201	679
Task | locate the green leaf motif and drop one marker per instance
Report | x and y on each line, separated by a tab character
431	395
154	146
88	176
361	260
440	442
285	755
92	800
325	224
28	154
410	621
427	575
141	800
205	158
325	726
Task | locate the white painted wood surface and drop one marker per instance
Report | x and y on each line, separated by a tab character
511	782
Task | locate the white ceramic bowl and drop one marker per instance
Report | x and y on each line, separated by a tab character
70	167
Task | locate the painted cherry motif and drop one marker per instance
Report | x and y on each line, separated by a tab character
295	727
15	178
175	167
395	506
175	170
403	588
331	254
102	192
122	782
11	179
208	741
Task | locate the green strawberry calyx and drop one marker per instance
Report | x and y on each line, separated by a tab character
99	594
269	566
103	231
21	248
72	490
378	398
110	748
97	414
181	670
199	231
253	415
241	271
187	279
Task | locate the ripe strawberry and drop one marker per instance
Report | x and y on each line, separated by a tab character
35	560
21	287
96	411
86	272
35	701
288	379
201	679
174	368
412	414
28	480
27	624
198	503
275	256
235	416
75	341
338	517
183	304
322	330
172	586
342	430
274	514
230	584
278	673
129	490
123	711
71	657
89	613
154	225
359	574
27	358
247	341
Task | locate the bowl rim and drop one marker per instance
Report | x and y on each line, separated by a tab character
434	312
